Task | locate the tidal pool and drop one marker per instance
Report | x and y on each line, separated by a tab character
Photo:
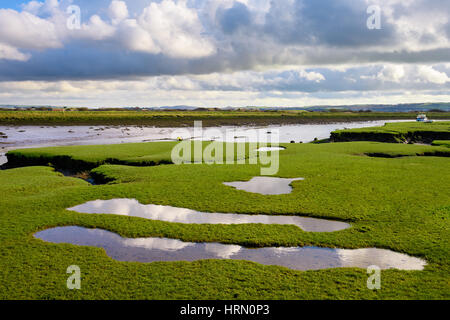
131	207
265	185
163	249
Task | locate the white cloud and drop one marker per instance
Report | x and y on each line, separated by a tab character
148	92
176	29
11	53
24	30
311	76
117	11
48	7
96	29
286	50
32	7
429	74
51	5
131	35
392	73
168	27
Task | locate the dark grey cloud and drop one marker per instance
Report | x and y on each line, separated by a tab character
301	32
232	19
339	23
79	62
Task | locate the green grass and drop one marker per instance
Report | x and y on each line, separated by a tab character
180	118
87	157
443	143
154	153
400	204
397	132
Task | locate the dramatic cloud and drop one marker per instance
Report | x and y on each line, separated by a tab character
176	29
23	30
233	18
392	73
118	11
10	53
427	73
223	49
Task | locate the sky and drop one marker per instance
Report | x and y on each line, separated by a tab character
218	53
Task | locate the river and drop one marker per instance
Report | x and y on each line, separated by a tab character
46	136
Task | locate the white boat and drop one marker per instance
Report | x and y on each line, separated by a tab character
423	118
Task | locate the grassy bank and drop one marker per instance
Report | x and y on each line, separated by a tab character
186	118
391	203
442	143
81	158
397	132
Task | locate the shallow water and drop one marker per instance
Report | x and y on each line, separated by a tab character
265	185
40	136
51	136
162	249
266	149
131	207
300	132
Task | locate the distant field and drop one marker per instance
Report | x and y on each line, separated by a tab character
183	118
396	132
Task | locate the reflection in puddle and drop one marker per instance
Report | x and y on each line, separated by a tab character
161	249
265	185
131	207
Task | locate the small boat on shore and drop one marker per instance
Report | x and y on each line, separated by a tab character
423	118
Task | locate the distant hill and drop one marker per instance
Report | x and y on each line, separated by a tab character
420	107
409	107
173	108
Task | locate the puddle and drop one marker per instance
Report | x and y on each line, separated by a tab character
266	149
265	185
131	207
162	249
3	159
